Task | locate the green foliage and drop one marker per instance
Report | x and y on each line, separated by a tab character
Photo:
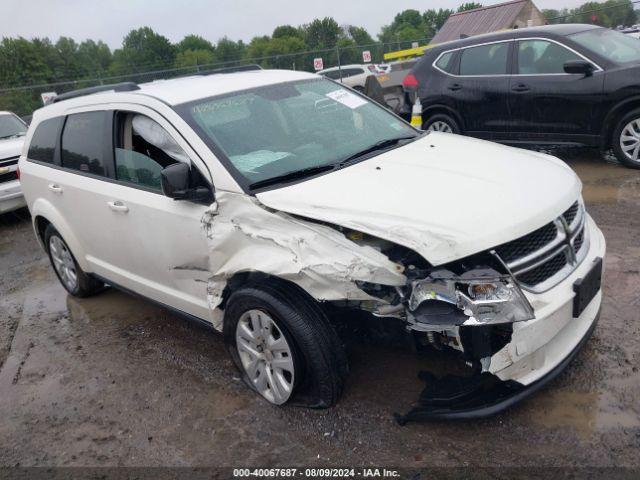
194	43
469	6
321	34
142	50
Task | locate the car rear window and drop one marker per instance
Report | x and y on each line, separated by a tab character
43	142
445	62
485	60
83	142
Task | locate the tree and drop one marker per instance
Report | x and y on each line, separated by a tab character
434	20
194	42
195	58
282	31
143	50
94	58
469	6
229	51
359	35
321	34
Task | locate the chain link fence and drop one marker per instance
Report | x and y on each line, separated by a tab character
24	99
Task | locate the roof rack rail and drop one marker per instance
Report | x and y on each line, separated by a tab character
114	87
239	68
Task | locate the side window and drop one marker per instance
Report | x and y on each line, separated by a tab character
485	60
333	74
445	62
83	142
542	57
142	149
43	142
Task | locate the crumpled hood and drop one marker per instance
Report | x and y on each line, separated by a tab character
445	196
11	147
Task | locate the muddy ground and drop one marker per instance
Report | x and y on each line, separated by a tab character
114	380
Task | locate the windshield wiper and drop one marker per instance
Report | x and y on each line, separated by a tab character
13	135
289	176
381	145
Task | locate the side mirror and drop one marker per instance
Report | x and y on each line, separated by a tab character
581	67
176	184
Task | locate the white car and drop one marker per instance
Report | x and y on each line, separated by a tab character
271	204
354	76
12	132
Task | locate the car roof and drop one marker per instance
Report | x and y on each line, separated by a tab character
186	89
552	30
180	90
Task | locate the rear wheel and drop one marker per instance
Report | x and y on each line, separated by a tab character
626	139
283	344
71	276
440	122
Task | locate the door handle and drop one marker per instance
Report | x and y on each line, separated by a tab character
55	188
118	206
454	86
521	87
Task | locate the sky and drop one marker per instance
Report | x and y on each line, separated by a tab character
111	20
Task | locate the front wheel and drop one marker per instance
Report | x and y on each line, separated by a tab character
440	122
626	140
284	346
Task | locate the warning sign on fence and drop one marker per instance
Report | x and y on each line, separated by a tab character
317	64
366	56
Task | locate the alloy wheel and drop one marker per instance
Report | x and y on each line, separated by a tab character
266	356
63	262
630	140
440	126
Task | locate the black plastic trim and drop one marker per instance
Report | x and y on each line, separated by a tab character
520	392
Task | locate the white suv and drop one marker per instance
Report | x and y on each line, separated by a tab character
354	76
12	132
271	204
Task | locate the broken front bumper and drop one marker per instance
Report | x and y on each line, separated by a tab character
538	351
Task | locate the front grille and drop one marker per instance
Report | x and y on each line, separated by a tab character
571	213
534	259
545	271
579	240
527	244
8	177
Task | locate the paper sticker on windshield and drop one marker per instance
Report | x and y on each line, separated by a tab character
346	98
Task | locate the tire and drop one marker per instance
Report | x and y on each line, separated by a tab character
71	276
626	139
441	122
318	359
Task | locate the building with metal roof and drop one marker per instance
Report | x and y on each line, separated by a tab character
502	16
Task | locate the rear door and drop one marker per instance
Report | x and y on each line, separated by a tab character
480	89
545	102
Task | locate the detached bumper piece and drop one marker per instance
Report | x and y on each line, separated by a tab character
459	398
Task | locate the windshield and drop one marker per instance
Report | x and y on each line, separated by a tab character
616	46
11	126
307	125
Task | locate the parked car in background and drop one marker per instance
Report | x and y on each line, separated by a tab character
383	67
12	133
275	234
558	84
354	76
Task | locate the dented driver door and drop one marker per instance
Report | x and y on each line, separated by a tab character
163	237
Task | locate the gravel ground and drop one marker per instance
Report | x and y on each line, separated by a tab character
116	381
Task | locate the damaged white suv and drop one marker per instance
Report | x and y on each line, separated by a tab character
266	203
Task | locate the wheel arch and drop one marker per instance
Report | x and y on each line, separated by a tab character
613	117
439	108
44	213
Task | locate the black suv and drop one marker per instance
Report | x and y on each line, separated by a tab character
558	84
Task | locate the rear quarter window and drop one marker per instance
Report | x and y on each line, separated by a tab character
83	142
43	143
445	62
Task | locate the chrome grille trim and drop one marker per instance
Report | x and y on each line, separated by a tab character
564	244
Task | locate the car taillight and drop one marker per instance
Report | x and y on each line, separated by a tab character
18	172
410	81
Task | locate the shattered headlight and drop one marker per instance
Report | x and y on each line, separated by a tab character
485	296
